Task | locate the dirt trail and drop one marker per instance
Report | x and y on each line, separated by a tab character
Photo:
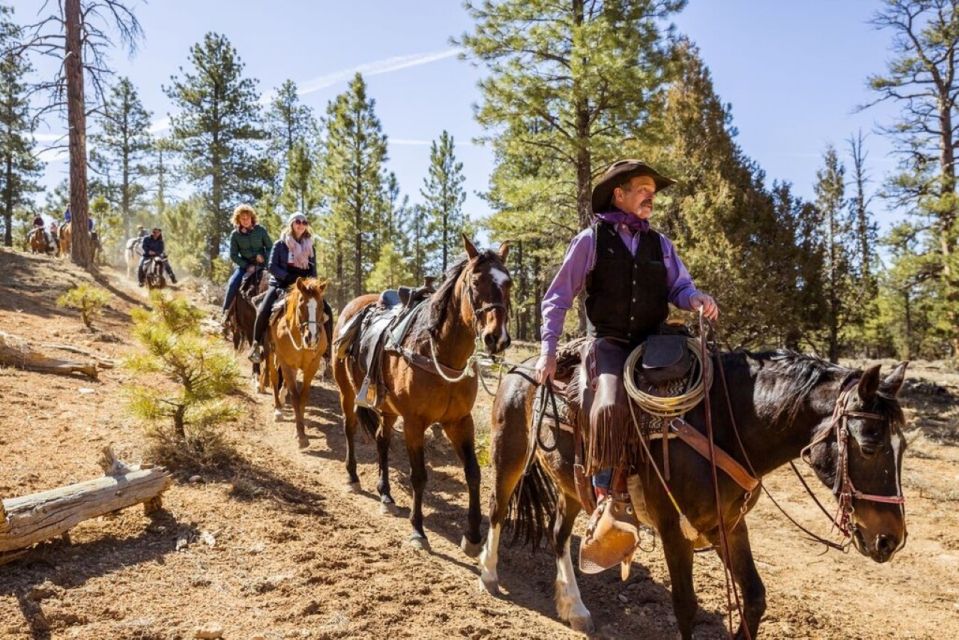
296	556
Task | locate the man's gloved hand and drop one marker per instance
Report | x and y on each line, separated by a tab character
545	368
259	259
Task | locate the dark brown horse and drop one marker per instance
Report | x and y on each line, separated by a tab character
242	315
782	402
472	302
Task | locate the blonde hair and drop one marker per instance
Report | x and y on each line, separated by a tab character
240	210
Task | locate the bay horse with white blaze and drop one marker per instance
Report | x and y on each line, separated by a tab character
428	382
296	343
846	423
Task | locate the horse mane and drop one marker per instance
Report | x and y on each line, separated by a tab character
798	375
440	301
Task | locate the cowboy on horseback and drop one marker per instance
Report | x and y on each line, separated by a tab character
292	257
38	223
151	246
629	273
249	247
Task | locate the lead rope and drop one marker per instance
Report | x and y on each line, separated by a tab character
732	592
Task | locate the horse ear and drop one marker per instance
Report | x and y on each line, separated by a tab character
869	383
300	286
321	285
504	251
893	382
471	251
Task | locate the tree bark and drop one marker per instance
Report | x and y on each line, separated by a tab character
30	519
81	247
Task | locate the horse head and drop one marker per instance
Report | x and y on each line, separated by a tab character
306	307
859	455
487	285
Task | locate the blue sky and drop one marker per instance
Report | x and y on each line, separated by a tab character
793	72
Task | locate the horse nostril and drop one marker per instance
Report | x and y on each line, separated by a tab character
886	544
490	341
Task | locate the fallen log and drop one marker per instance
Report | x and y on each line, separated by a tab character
103	363
17	352
30	519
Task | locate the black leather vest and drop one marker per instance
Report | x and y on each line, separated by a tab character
626	295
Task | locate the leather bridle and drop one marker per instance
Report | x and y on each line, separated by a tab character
843	488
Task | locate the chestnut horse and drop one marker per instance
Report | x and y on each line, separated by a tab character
40	242
428	382
64	240
296	342
847	423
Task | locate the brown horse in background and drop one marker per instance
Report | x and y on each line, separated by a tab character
297	342
847	423
241	316
39	242
472	302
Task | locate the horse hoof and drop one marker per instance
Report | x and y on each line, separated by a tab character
352	487
419	542
277	414
388	508
491	587
302	441
471	549
582	624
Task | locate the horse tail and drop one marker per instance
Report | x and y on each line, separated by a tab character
369	419
532	508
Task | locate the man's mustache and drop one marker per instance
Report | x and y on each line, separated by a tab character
647	201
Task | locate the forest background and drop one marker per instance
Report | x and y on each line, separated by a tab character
859	261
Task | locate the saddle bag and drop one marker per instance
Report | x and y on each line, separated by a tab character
665	358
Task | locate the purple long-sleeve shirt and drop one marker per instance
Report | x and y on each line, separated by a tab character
579	261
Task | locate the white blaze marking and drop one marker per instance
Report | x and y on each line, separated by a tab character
500	277
311	313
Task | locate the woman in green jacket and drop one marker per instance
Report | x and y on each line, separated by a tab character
249	247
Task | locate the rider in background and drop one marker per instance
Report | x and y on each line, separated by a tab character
292	257
249	246
152	245
39	224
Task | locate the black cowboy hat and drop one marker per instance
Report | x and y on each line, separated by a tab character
618	173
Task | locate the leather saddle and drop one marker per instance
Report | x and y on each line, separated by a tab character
377	328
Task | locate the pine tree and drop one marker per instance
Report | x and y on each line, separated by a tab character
289	123
723	221
163	150
76	35
301	183
921	79
19	168
443	196
831	206
217	131
353	185
568	82
120	149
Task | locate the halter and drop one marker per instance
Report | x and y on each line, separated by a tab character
470	368
844	488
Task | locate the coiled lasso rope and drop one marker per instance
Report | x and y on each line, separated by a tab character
669	406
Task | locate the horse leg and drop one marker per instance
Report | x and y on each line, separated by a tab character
383	439
679	561
509	448
569	602
302	396
348	407
462	436
747	577
413	430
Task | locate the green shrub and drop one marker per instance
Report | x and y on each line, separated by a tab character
88	299
183	414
